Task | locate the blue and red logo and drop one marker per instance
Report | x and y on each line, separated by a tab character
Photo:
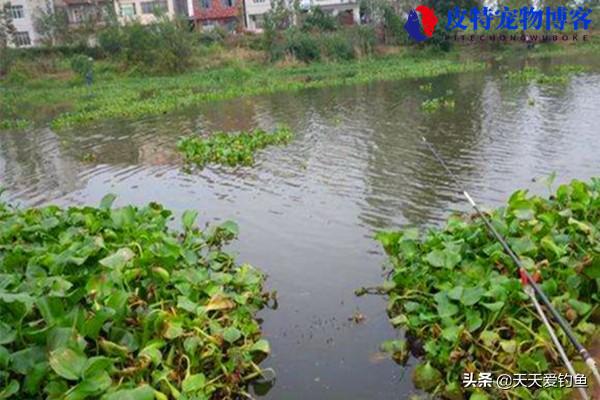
428	22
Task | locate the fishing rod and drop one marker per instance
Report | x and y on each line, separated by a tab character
526	278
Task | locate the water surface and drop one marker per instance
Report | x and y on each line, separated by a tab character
307	212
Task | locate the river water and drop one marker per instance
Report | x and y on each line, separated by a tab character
307	212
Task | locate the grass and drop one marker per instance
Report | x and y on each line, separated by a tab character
113	96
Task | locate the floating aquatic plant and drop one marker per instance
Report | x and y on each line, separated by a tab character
459	298
230	148
432	105
559	74
109	303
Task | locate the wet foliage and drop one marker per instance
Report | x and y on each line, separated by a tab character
560	74
462	305
109	303
117	95
230	149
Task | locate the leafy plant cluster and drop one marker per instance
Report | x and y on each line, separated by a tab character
161	47
434	104
560	74
459	298
133	97
109	303
230	149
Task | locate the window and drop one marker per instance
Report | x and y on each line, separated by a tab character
127	10
258	1
150	7
17	12
205	4
228	3
22	39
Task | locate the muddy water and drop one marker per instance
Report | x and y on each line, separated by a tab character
307	212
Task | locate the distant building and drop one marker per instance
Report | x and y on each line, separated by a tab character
255	11
80	12
346	11
217	13
146	11
23	17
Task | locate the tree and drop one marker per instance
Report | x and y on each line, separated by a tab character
52	26
7	31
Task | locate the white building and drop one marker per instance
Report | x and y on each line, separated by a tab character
254	14
23	14
144	11
348	11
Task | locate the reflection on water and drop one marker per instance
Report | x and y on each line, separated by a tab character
308	211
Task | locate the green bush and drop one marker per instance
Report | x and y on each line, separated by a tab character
82	65
161	47
317	20
111	41
339	47
303	46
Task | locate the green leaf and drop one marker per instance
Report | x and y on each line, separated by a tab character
91	386
261	346
95	365
436	258
118	259
7	333
231	227
496	306
68	363
581	307
11	389
474	320
472	295
231	334
189	218
143	392
193	383
107	201
426	377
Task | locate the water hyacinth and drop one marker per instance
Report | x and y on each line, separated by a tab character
459	298
109	303
230	149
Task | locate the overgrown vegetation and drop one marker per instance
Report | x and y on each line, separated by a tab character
560	74
459	298
109	303
432	105
230	149
116	96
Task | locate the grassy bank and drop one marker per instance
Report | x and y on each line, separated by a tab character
66	103
459	298
61	98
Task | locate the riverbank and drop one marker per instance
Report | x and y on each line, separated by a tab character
63	100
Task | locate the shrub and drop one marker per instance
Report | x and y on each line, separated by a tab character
82	65
338	47
317	20
303	46
111	40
